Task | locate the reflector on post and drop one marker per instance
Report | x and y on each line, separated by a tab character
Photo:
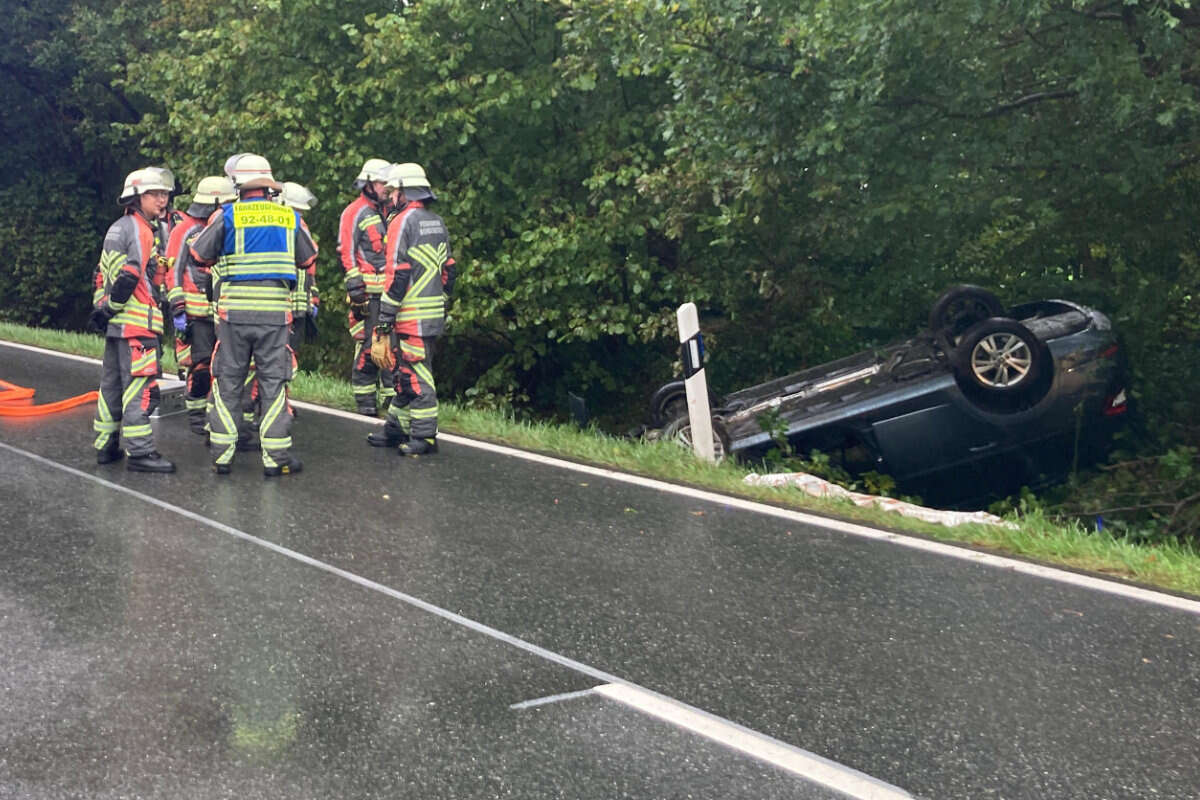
692	353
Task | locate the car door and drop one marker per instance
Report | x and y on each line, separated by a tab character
929	439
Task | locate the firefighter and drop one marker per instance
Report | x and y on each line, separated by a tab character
126	308
187	293
306	301
420	275
361	234
256	249
171	216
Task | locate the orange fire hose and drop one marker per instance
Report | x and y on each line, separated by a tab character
10	392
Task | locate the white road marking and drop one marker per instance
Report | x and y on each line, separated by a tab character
831	774
553	698
853	529
44	351
811	766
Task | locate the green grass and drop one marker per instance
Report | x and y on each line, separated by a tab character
1170	566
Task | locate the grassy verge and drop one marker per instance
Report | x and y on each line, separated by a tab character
1169	566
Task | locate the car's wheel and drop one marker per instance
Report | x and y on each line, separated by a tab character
668	403
679	430
999	356
960	307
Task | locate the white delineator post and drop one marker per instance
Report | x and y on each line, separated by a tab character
691	350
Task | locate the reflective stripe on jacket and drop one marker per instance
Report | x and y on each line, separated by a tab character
305	296
419	266
361	238
256	248
187	283
130	245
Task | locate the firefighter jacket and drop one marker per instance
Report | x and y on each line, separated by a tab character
360	246
187	281
127	278
256	249
305	296
419	272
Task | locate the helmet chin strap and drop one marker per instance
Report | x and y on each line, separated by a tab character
135	207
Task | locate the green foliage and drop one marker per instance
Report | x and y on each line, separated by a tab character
43	269
1152	499
61	167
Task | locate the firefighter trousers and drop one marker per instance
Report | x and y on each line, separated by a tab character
414	409
366	375
202	338
129	394
237	344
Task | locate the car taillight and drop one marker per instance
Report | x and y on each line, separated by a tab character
1116	404
1110	352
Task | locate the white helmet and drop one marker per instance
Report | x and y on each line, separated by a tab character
374	169
146	179
293	195
407	176
214	189
410	179
250	171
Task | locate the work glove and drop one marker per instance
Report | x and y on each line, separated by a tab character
100	317
180	322
381	349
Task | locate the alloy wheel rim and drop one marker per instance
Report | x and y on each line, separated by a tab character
1001	360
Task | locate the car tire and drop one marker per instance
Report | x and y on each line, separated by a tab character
1000	356
960	307
668	403
679	430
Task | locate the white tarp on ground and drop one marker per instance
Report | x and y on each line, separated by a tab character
819	487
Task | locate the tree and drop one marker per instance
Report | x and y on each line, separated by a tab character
63	163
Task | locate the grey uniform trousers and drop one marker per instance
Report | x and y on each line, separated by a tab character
129	394
267	345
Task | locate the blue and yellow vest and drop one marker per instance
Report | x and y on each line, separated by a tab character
254	279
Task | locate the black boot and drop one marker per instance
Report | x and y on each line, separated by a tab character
111	453
246	443
368	410
289	467
386	438
419	447
151	462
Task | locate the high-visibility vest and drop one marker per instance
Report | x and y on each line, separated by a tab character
257	273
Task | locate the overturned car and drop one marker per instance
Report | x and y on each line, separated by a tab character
984	401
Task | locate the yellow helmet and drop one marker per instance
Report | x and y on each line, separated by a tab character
146	179
293	195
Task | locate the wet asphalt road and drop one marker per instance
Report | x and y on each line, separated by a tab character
144	653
